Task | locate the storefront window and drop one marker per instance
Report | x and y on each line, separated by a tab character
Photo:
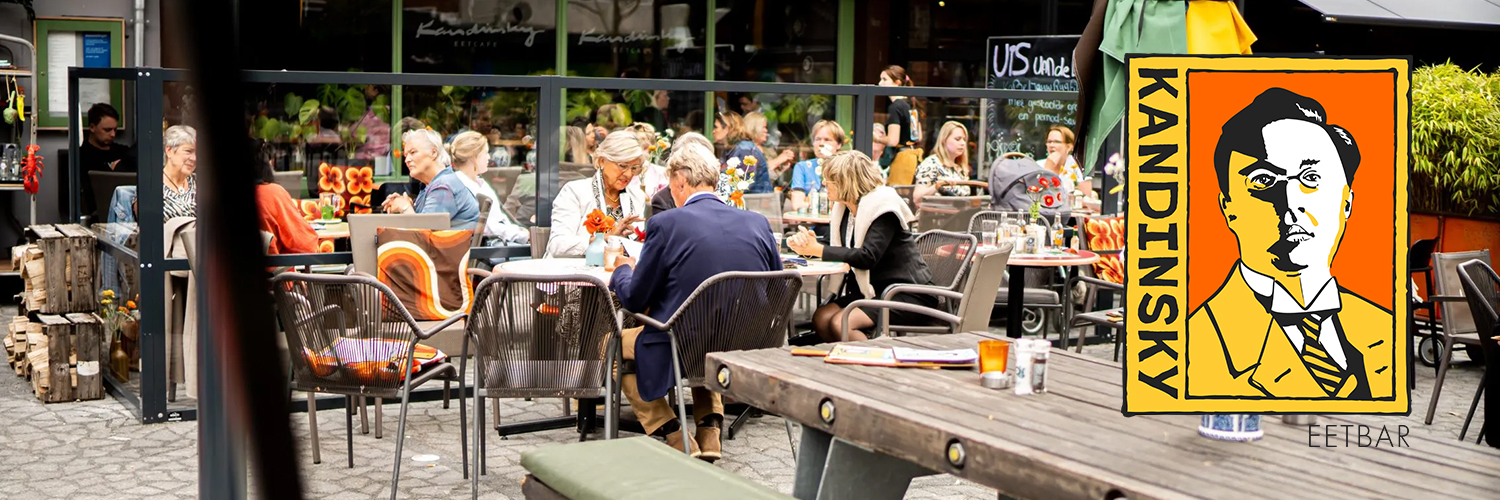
331	35
479	37
777	40
637	38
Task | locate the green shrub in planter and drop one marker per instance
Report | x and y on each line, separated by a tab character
1455	141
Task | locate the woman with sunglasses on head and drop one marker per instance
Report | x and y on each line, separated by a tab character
618	160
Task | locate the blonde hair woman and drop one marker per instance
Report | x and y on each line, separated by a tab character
618	160
428	161
470	152
807	176
1060	161
946	171
870	231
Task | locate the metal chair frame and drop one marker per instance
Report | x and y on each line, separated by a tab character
1044	310
1093	284
476	330
1484	300
305	379
688	370
1455	331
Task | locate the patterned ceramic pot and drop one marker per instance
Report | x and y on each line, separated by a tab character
1241	428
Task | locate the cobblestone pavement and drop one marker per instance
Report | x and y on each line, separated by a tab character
96	449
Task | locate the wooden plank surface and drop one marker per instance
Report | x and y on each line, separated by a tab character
89	349
1073	442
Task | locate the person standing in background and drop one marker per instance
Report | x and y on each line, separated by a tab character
903	125
100	153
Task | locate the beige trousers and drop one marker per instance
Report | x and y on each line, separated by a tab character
656	413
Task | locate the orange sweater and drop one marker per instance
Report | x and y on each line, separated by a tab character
282	217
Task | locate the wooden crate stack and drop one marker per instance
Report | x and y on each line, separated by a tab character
59	269
58	341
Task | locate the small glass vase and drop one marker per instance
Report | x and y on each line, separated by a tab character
594	255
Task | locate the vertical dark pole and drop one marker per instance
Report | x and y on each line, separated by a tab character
149	216
864	119
549	126
239	403
75	134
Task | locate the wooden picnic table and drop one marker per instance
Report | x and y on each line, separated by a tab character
892	424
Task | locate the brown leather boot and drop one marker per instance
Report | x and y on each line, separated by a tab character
708	442
674	440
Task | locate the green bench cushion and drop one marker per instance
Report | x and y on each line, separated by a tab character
635	468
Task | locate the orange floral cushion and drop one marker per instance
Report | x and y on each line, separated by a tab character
1106	236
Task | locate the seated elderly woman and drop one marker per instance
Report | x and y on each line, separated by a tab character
179	185
871	231
471	159
427	161
617	161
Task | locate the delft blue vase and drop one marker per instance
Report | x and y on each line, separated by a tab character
1240	428
594	255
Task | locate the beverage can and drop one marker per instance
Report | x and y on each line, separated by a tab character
1022	351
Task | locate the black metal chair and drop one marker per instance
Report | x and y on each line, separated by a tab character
543	337
1482	289
731	311
1093	284
350	335
1419	260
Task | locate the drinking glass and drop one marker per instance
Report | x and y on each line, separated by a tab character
987	231
993	355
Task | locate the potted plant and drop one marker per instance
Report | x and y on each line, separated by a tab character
1455	158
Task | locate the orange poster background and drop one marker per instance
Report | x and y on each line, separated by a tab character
1363	103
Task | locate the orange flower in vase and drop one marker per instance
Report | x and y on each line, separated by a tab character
737	198
361	180
598	222
330	179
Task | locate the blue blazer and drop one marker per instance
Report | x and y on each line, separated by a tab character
685	247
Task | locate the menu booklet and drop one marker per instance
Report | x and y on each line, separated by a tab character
883	356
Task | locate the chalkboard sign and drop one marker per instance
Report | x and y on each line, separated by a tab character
1027	63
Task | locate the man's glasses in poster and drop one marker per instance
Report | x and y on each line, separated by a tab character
1262	176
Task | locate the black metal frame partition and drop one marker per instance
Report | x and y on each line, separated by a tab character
151	404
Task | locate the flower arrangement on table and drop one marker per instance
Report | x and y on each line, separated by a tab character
116	318
656	154
741	175
598	222
1046	192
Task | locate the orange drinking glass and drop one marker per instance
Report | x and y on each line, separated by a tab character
993	355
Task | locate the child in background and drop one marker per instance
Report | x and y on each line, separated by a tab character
807	175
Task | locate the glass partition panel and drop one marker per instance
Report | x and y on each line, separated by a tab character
488	38
777	40
637	39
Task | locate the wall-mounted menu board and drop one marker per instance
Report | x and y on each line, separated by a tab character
1027	63
85	42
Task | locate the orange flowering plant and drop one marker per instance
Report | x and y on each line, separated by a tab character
598	222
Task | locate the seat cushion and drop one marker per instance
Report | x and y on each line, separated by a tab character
1031	297
638	468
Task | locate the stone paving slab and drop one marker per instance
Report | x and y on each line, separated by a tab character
97	449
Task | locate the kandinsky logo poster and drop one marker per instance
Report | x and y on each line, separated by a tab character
1266	235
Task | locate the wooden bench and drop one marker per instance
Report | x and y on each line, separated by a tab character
637	468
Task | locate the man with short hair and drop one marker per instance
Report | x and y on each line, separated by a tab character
686	246
1280	326
100	153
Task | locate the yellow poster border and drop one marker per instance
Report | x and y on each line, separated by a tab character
1155	329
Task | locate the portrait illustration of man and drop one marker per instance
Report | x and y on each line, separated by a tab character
1280	326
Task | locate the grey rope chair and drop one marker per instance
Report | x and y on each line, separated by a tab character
350	335
732	311
537	336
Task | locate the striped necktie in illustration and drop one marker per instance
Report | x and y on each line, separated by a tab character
1323	368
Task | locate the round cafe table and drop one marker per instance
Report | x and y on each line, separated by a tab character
808	218
1019	264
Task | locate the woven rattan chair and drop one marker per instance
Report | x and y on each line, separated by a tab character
543	337
731	311
350	335
1482	289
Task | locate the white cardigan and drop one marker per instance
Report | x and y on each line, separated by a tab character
574	202
498	224
874	204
